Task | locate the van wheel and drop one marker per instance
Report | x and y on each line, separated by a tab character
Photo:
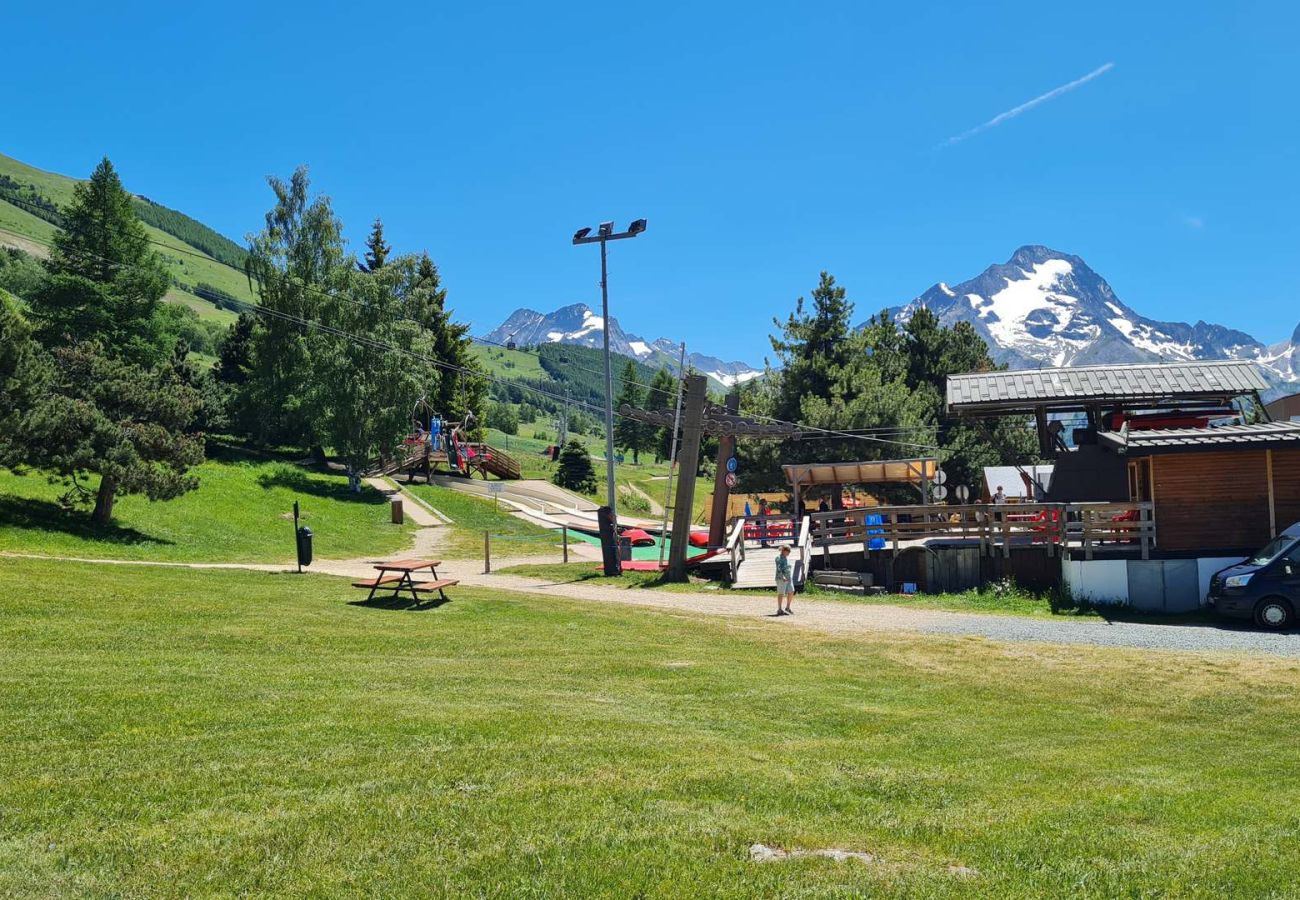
1274	613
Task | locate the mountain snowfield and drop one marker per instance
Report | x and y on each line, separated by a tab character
1048	308
1040	308
578	324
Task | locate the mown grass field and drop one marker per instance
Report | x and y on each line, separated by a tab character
241	512
176	733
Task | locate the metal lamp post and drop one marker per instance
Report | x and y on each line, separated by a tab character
605	233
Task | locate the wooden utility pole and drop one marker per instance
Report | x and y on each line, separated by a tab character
726	450
698	418
688	463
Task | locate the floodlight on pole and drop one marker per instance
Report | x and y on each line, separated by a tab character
605	233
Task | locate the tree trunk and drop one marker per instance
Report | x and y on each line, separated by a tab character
317	455
103	511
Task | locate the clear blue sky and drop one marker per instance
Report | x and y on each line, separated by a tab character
763	141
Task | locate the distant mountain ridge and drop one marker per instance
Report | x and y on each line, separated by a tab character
578	324
1044	307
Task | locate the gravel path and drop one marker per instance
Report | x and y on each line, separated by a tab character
828	616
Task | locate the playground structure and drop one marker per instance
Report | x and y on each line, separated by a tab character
426	448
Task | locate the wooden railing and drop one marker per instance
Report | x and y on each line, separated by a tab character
1051	525
736	546
803	545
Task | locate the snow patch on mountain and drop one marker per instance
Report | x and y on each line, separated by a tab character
578	324
1048	308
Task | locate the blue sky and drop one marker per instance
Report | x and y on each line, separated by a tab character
763	141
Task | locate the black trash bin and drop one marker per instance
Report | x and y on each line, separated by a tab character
304	546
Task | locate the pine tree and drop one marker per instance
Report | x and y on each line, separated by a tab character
662	395
104	415
575	471
629	434
376	250
106	283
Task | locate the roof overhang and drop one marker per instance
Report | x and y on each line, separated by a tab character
1188	386
886	471
1260	436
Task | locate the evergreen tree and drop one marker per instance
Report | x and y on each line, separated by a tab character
462	388
662	395
376	250
105	283
629	434
104	415
575	471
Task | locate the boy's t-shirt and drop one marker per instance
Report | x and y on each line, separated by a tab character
782	566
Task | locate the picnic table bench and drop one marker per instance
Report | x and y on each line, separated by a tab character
397	577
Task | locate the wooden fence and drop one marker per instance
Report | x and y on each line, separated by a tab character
994	527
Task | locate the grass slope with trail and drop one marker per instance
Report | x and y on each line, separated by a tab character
179	732
241	512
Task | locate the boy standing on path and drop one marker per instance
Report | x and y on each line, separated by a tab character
784	582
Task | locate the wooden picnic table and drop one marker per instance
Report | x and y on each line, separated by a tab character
397	577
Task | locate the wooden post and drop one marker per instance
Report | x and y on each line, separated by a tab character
565	531
697	389
1006	532
1045	446
1272	503
726	449
487	553
1145	524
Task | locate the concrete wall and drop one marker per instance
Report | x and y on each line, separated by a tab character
1151	585
1099	581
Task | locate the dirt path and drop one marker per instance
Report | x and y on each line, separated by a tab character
827	616
656	508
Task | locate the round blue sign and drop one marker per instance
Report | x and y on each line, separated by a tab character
731	464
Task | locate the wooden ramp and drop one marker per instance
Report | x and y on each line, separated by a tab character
758	569
497	462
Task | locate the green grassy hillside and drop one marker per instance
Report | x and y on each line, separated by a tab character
27	192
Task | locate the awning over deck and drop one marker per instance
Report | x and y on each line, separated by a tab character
886	471
1155	385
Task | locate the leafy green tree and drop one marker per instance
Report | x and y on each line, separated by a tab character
364	379
376	249
292	262
25	372
20	274
575	471
106	283
99	414
630	434
503	418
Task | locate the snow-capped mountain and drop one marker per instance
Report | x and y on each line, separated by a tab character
1047	308
577	324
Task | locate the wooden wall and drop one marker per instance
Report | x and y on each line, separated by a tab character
1286	487
1211	500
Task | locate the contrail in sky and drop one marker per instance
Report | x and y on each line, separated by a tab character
1030	104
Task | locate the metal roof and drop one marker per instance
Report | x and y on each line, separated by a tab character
1075	388
887	471
1226	437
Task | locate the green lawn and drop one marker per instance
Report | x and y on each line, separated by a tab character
177	733
471	516
242	512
